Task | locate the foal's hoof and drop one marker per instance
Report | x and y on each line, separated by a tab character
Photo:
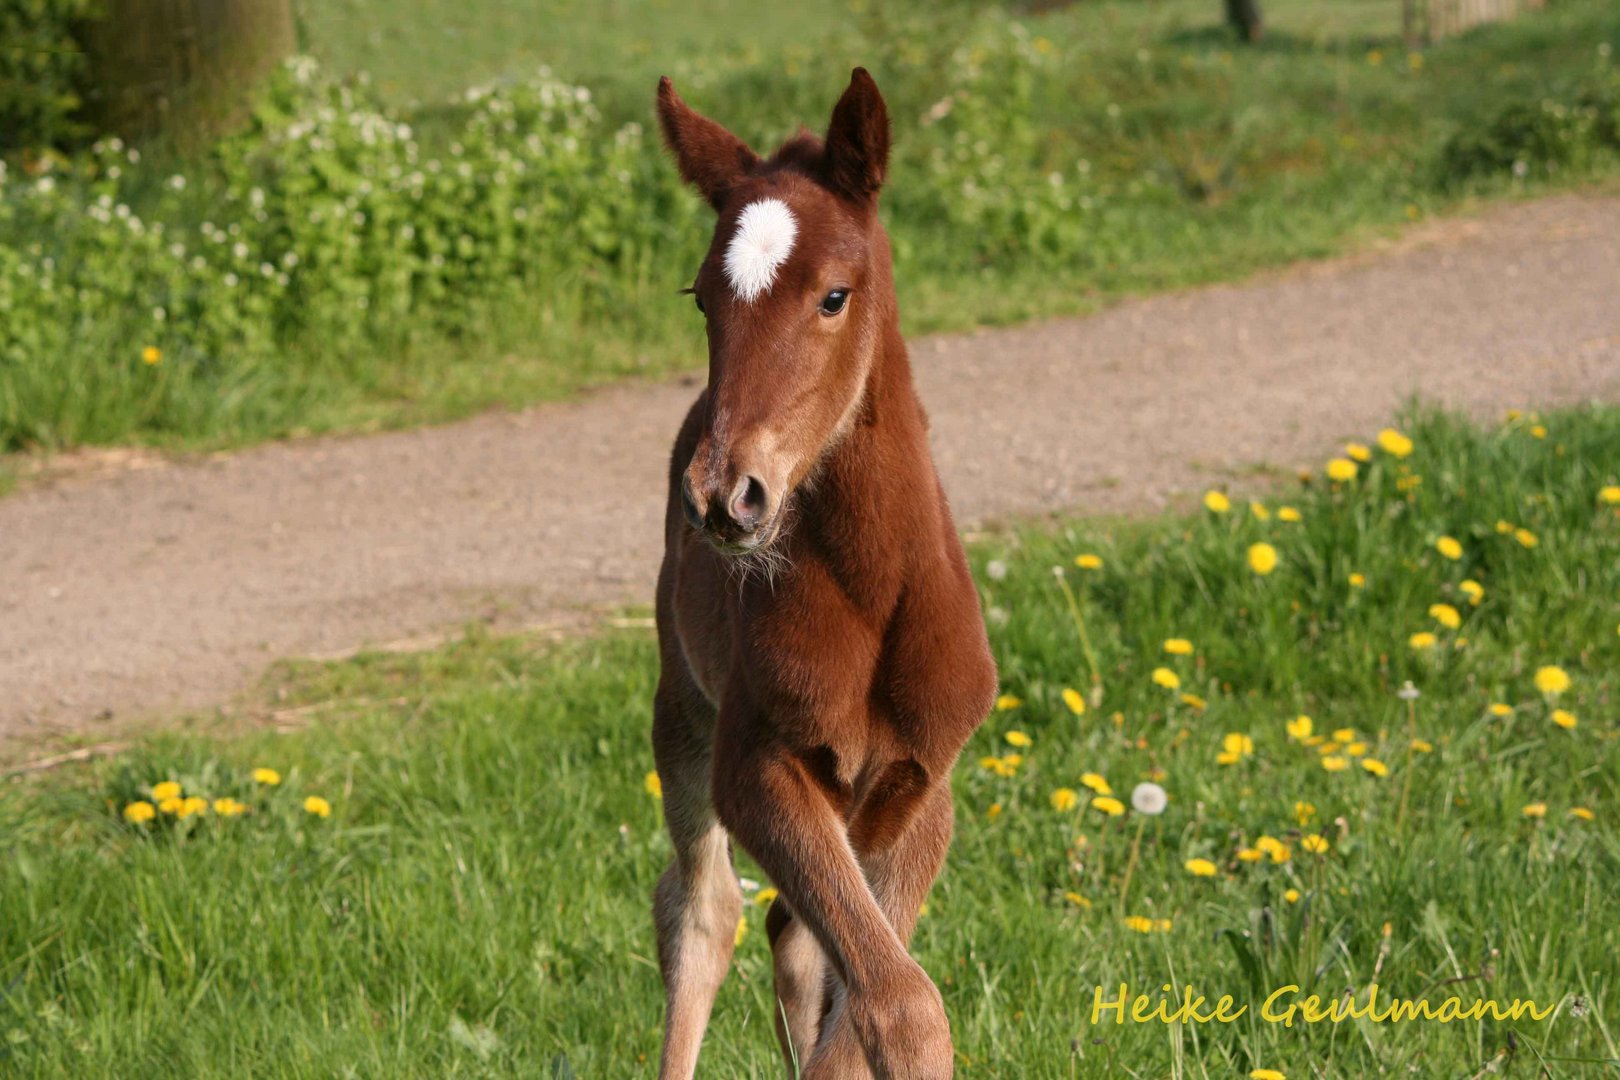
904	1031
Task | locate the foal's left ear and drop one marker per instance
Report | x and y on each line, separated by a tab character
858	139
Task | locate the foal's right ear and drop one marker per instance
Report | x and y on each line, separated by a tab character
710	158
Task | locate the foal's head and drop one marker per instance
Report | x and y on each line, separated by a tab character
797	293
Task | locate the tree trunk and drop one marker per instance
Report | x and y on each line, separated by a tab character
1244	17
181	69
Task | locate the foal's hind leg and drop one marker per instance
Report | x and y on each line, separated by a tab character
900	870
697	902
802	978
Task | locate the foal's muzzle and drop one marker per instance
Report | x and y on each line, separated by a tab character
733	518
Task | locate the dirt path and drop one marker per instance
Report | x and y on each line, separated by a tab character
172	587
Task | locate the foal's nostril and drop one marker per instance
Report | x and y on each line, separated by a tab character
748	500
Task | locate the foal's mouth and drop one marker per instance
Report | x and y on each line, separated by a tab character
751	544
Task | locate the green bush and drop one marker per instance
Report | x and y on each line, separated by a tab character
324	223
1563	132
39	64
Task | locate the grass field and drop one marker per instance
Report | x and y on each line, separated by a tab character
476	903
1180	158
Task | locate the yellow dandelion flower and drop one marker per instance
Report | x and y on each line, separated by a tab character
1216	502
1335	763
653	785
1274	1074
1258	509
1088	562
1374	766
1344	735
1177	646
1525	537
151	355
1300	727
1227	757
1450	547
228	807
1539	431
1304	811
317	806
1161	926
1200	868
1077	900
1422	640
268	777
764	897
1341	469
1473	590
741	932
1316	844
1581	812
1610	494
1166	678
1552	680
1108	805
1289	514
1064	799
1262	558
1422	746
1008	702
1357	452
1499	708
139	811
1292	896
1503	527
1358	580
1275	849
1563	718
1446	615
193	805
1096	783
1076	703
1250	854
171	805
1394	443
1536	810
1018	739
1140	923
1235	742
168	789
994	812
1194	701
1356	749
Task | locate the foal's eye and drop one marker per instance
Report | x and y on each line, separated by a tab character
698	300
834	302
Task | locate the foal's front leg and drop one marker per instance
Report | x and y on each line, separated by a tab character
698	902
775	807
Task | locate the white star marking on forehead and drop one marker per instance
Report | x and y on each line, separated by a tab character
761	244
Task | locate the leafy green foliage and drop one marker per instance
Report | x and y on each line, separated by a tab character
1570	131
40	64
355	259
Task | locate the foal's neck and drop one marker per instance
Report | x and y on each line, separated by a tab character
876	493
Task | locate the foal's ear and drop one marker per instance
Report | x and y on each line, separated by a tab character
858	139
710	158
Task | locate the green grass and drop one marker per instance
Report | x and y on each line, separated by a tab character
1203	161
477	904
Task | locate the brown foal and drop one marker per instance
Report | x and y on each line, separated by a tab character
823	655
